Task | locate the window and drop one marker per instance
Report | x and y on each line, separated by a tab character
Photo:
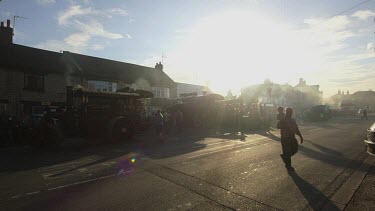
34	82
160	92
102	86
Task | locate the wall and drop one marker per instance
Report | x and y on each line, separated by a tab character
54	89
12	90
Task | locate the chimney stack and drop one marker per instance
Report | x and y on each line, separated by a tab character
6	35
159	66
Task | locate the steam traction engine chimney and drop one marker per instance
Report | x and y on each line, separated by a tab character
6	34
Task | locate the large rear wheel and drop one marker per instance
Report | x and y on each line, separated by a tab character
122	131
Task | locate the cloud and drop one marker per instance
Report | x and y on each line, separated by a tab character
363	14
77	11
97	47
370	46
56	45
71	12
75	2
355	79
80	41
85	22
352	72
77	39
117	11
328	34
45	2
96	29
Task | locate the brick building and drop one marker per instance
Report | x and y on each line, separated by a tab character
30	77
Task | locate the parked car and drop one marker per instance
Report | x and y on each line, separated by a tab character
318	113
370	140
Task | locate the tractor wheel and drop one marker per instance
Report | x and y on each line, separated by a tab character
122	131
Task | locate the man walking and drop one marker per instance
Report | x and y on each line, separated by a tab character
364	114
179	121
289	129
159	123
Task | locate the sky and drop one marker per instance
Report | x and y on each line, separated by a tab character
223	44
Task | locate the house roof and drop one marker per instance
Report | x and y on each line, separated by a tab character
93	67
187	86
363	94
33	60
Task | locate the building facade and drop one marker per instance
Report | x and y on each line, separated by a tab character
299	96
185	90
357	100
30	77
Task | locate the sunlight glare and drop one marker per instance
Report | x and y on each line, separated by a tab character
249	46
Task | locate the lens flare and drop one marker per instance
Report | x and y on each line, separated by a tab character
126	165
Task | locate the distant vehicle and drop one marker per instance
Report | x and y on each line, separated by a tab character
370	140
318	113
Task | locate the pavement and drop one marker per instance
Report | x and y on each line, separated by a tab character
364	197
197	171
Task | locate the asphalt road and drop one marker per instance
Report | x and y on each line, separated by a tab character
195	171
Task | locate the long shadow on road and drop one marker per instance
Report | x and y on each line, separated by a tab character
324	154
314	197
31	158
189	141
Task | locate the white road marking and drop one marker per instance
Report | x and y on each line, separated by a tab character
120	172
314	129
32	193
68	185
17	196
224	149
81	182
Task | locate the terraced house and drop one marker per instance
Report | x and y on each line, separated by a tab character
30	77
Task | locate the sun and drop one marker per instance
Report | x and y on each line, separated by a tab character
237	48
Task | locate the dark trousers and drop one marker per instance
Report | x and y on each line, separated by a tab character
290	147
159	129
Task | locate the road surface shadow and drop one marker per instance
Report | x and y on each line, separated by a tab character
314	197
24	159
148	144
190	140
324	149
323	153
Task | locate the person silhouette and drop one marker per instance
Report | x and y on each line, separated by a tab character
289	129
364	114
